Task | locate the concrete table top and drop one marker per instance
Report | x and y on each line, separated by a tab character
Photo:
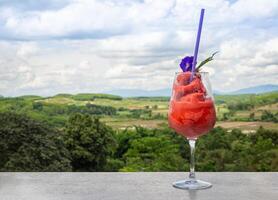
129	186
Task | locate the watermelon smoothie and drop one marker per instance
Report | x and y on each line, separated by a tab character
191	109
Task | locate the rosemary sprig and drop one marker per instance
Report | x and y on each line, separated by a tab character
206	61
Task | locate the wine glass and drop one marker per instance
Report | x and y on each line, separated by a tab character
191	114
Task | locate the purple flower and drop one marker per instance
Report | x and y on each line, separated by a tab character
186	63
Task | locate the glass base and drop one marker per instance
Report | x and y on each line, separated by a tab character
192	185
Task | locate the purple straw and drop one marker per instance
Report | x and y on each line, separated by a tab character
197	43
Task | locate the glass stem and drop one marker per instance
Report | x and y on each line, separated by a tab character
192	159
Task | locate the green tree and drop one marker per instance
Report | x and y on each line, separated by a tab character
252	116
38	106
150	150
153	154
27	145
228	115
89	141
269	117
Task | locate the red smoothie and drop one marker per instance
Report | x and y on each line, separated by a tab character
191	111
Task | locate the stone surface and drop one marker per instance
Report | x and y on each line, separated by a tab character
143	186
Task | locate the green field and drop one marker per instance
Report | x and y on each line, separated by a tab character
246	112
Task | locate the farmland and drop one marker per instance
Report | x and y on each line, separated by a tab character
246	112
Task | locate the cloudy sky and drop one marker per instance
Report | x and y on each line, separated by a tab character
72	46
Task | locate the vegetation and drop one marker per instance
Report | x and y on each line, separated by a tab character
148	112
163	150
86	144
251	99
89	142
247	107
27	145
269	117
91	97
95	132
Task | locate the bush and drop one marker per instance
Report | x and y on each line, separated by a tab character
269	117
38	106
27	145
91	97
162	150
89	142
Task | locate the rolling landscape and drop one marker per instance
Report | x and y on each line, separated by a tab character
105	132
244	111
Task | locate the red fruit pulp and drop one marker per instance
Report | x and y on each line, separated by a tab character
191	112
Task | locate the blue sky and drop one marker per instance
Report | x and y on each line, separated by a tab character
54	46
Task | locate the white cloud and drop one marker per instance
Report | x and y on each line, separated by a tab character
27	49
245	63
14	73
255	9
95	18
93	45
85	17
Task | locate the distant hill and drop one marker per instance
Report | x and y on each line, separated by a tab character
141	93
257	89
167	91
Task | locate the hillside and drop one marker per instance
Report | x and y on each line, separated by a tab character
246	112
167	91
257	89
141	93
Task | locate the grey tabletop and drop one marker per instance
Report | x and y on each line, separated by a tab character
102	186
